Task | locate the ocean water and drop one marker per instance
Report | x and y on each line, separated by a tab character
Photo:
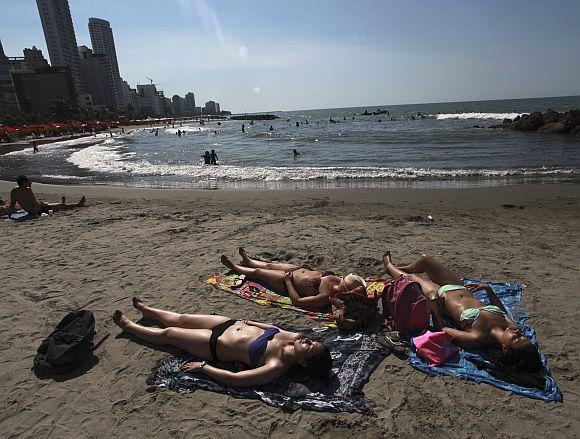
426	145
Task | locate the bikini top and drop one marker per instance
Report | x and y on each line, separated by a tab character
258	346
314	283
470	315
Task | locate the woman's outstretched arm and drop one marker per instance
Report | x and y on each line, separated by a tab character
493	299
464	339
311	302
247	378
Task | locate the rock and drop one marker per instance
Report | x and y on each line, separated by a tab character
575	131
551	116
528	122
568	121
507	121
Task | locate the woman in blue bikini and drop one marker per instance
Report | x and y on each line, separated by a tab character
481	326
308	288
268	350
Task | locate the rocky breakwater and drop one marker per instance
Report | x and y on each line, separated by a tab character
548	122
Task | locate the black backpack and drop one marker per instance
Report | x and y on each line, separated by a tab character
69	345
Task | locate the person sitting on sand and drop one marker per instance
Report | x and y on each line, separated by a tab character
268	350
24	196
307	288
482	326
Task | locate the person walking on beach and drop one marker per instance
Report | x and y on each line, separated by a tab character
24	196
34	147
214	157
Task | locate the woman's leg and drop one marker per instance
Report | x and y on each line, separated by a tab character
429	288
253	263
63	206
274	278
194	341
176	320
438	272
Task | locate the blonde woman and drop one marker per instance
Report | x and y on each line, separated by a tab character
307	288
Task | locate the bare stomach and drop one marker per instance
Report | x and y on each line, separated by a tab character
302	278
234	343
458	301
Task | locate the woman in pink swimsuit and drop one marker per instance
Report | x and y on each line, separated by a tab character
308	288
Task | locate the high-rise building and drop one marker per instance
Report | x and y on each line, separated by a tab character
60	38
97	76
104	43
32	61
8	97
190	104
210	108
178	106
149	100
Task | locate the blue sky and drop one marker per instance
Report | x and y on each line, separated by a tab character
284	55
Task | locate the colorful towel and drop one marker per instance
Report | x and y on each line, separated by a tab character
355	357
474	365
261	295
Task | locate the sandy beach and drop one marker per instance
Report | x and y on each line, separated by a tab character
158	243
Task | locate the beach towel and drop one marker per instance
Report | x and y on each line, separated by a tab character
19	216
355	356
261	295
474	365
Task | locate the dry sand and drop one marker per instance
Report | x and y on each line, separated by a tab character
157	243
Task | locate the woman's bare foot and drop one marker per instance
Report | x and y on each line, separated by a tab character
229	264
120	319
244	255
387	259
140	305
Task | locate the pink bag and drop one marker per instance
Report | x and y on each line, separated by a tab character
435	347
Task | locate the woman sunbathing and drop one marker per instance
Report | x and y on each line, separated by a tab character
308	288
268	350
481	326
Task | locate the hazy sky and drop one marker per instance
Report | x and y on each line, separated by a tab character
282	55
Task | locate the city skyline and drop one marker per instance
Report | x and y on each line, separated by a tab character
264	57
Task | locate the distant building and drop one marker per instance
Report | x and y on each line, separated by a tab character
178	105
38	91
97	78
149	100
190	104
60	38
166	103
8	96
104	43
126	96
210	108
217	108
32	61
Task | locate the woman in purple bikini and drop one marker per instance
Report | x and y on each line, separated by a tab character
268	350
308	288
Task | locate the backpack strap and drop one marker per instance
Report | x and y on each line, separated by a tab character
100	342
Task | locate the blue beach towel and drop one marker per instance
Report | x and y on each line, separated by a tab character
355	357
471	364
